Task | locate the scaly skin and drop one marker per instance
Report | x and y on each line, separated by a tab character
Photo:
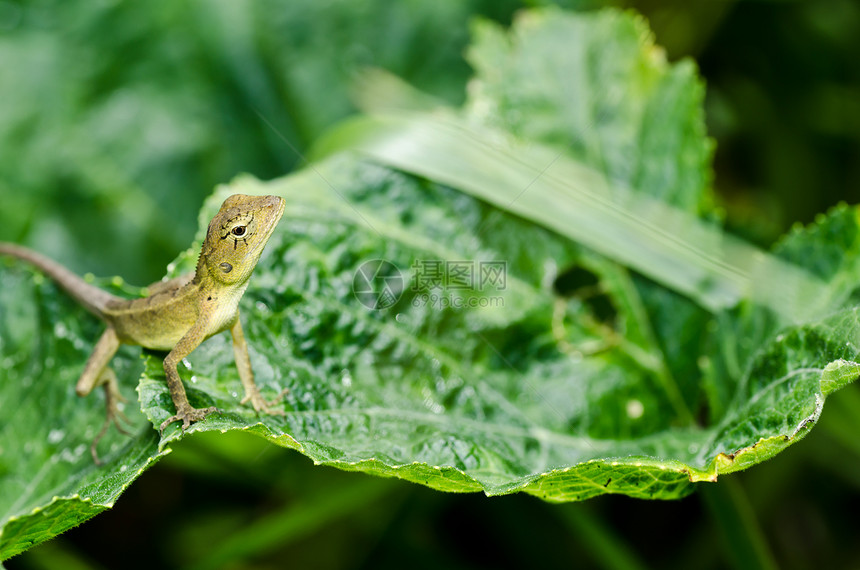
178	314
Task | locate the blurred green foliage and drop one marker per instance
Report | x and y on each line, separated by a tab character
116	119
119	118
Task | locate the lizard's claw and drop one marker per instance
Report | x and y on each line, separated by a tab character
188	415
261	405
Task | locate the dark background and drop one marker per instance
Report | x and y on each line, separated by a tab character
117	119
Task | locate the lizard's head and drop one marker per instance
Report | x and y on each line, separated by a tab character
237	235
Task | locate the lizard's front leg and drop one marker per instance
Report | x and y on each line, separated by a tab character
246	374
184	410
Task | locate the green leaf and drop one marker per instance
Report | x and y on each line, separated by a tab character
591	177
609	99
488	398
482	398
830	249
569	378
48	481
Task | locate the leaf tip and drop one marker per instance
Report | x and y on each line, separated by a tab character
837	374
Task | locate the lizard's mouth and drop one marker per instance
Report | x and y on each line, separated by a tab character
278	204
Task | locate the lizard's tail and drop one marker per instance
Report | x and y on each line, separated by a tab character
91	297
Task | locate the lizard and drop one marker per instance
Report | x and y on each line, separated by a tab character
178	314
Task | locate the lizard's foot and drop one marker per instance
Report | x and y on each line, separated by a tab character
187	415
261	405
113	414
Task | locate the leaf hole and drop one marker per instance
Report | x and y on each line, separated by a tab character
579	282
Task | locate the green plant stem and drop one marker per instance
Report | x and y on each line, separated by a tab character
731	511
296	521
604	545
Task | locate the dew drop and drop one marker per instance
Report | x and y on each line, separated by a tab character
635	409
346	378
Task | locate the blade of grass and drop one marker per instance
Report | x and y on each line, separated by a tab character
56	554
671	247
295	522
730	510
605	546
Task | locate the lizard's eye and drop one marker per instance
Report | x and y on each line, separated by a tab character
238	231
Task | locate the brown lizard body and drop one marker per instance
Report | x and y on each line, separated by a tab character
180	313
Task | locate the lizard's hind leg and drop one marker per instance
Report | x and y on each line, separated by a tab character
113	414
98	373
